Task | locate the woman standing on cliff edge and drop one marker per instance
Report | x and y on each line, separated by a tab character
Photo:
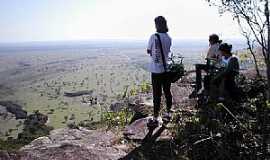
157	68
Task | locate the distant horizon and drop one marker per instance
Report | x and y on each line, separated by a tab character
80	20
116	40
182	44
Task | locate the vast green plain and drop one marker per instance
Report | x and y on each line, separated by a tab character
37	76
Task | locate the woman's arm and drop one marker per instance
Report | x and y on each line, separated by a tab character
150	45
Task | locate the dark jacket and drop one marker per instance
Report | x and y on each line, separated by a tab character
230	71
228	75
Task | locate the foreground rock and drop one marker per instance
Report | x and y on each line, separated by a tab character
142	105
4	155
15	109
180	94
73	144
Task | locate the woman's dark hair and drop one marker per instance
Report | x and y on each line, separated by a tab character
161	24
214	38
226	48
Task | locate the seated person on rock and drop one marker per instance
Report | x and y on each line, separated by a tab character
213	55
226	77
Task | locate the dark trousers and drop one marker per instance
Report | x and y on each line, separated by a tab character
159	82
199	68
231	88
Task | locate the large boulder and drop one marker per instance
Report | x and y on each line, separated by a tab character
73	144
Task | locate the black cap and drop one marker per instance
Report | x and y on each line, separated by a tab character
225	47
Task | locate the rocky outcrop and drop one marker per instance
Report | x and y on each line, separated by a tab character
138	130
139	103
14	109
73	144
141	99
142	105
4	114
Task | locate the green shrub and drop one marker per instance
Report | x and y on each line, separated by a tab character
116	119
145	87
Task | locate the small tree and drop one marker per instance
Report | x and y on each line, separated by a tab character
253	19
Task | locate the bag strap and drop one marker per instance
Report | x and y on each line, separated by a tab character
162	53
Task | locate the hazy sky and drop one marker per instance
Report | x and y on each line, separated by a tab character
50	20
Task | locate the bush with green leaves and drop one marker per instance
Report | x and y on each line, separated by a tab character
145	87
116	119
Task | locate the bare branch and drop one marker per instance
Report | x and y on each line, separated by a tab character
250	47
247	18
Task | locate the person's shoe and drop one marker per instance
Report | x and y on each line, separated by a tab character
154	122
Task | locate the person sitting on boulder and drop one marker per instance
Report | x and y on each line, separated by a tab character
213	55
228	74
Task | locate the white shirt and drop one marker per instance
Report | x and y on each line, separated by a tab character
213	51
156	63
226	61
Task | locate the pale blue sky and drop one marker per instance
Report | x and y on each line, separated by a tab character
51	20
